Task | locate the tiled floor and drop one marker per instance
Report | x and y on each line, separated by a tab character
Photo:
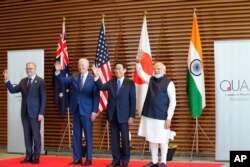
4	155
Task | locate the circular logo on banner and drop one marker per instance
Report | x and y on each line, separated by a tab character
195	67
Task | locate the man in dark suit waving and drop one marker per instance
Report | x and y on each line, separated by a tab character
84	102
33	92
120	112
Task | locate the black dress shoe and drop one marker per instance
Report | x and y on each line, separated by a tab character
36	161
113	165
151	164
163	165
76	162
26	160
87	163
124	165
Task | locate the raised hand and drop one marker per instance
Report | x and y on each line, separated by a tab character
95	70
5	74
57	66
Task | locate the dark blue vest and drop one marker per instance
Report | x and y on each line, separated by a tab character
157	101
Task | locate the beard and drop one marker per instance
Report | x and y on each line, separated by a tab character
158	75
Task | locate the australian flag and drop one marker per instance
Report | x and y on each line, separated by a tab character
61	91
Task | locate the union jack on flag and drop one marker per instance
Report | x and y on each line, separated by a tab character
102	62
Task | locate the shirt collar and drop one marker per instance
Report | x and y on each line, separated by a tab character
121	79
32	77
85	75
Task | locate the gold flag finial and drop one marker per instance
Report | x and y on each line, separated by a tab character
195	11
103	16
145	13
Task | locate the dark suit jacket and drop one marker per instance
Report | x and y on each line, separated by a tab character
124	103
87	98
35	99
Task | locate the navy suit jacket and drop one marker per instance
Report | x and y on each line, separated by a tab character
34	99
87	98
123	103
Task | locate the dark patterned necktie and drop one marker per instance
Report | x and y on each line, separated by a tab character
29	84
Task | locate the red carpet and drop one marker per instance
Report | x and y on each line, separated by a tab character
47	161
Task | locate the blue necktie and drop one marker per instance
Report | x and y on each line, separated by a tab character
118	86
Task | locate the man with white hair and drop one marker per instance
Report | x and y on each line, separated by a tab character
84	100
157	112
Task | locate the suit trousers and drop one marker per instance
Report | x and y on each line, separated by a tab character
82	124
120	154
31	129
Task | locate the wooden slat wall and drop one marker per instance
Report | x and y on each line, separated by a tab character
37	25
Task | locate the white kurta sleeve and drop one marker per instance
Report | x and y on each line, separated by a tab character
144	76
172	100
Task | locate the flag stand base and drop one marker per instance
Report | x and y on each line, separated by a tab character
67	128
197	127
106	131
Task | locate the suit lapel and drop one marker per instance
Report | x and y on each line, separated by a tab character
79	81
113	87
26	85
32	84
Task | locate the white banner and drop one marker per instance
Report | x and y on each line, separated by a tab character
232	88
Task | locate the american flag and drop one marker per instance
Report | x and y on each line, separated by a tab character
61	91
102	62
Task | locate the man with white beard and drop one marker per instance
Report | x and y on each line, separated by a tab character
157	112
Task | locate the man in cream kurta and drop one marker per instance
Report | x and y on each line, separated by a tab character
157	112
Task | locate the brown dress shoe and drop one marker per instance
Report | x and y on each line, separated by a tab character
87	163
26	160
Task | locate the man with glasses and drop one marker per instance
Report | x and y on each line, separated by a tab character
33	92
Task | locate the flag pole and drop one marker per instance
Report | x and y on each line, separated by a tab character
197	126
69	129
107	124
145	141
106	129
68	126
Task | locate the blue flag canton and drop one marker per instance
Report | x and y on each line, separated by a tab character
102	56
61	92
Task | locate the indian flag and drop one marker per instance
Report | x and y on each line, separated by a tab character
195	73
146	63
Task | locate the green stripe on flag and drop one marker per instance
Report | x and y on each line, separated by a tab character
194	96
